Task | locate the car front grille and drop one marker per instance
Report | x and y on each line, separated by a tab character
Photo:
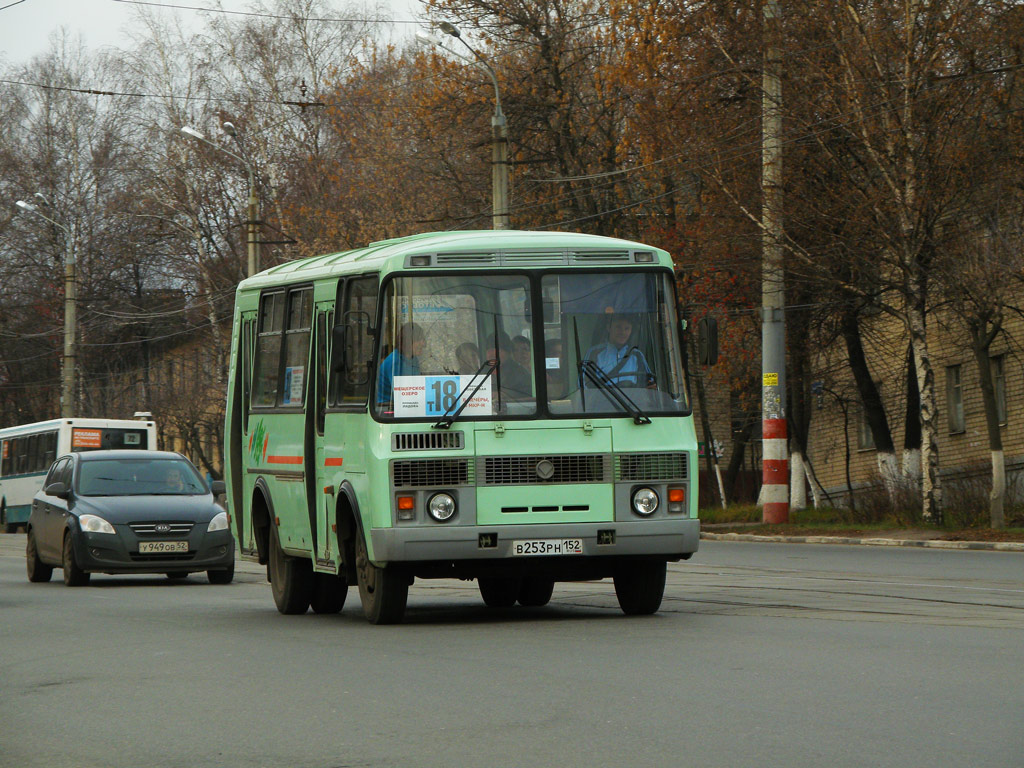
546	470
162	557
651	466
179	528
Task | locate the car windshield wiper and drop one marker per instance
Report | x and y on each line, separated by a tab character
602	381
448	417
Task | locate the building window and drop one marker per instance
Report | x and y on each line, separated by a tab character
999	385
955	398
865	440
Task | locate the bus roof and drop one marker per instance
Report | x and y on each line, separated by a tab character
44	426
491	248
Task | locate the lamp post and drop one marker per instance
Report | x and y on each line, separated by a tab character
499	128
67	400
252	234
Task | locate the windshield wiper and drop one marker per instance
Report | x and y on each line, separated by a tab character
448	417
603	382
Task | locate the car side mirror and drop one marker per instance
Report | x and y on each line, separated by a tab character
57	489
217	487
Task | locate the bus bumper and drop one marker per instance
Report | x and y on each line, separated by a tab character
673	539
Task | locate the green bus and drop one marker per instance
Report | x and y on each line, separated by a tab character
509	407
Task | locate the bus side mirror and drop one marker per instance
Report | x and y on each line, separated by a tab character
57	489
707	341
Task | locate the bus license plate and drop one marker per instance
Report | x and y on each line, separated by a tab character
548	547
161	547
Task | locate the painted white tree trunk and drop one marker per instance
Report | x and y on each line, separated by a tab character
797	481
912	465
888	470
998	495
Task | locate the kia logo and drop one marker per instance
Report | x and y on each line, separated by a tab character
162	528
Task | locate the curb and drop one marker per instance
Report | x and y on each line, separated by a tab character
992	546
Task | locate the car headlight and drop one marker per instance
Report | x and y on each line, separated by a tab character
219	523
441	507
95	524
645	501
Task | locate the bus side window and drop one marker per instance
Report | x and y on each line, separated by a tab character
296	347
5	463
268	350
352	386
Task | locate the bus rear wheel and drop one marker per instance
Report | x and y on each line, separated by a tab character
291	578
640	587
382	591
329	593
536	592
499	592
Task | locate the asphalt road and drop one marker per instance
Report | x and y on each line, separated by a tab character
763	655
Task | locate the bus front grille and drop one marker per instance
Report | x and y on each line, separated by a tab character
650	466
427	441
431	473
544	470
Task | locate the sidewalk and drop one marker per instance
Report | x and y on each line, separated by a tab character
921	539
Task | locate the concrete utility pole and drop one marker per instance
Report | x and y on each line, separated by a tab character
775	457
67	399
499	129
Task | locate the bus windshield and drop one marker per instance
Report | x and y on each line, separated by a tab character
589	343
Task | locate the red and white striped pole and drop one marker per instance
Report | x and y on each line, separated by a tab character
774	455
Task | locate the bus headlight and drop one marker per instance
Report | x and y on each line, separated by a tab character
95	524
645	501
441	507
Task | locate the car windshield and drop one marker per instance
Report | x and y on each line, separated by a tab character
139	477
602	343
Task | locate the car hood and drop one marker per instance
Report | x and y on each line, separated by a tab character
126	509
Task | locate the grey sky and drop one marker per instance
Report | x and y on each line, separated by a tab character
25	28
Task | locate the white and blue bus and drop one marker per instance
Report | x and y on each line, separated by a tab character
28	451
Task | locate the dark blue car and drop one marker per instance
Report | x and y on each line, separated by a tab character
128	512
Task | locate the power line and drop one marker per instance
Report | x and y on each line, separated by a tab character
264	15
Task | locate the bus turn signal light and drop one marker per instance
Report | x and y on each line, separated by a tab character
677	500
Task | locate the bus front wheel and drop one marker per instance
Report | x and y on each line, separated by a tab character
382	591
640	587
499	591
291	578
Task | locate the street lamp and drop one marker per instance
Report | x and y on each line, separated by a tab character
67	404
252	233
499	128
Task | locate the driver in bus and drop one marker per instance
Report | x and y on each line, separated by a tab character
403	361
621	361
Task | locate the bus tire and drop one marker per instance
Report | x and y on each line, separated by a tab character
382	591
499	592
291	578
329	593
73	575
535	592
640	587
38	571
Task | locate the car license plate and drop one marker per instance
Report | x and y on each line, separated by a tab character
161	547
548	547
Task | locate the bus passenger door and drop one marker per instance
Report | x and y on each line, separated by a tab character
320	491
238	430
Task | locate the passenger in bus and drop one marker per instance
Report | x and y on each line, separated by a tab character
621	361
403	361
522	352
515	380
468	357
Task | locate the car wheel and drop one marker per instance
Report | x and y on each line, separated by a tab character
222	576
179	576
499	592
37	570
329	593
73	575
382	591
536	592
291	578
640	588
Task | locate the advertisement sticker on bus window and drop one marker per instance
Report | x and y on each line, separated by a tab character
86	438
437	395
293	379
